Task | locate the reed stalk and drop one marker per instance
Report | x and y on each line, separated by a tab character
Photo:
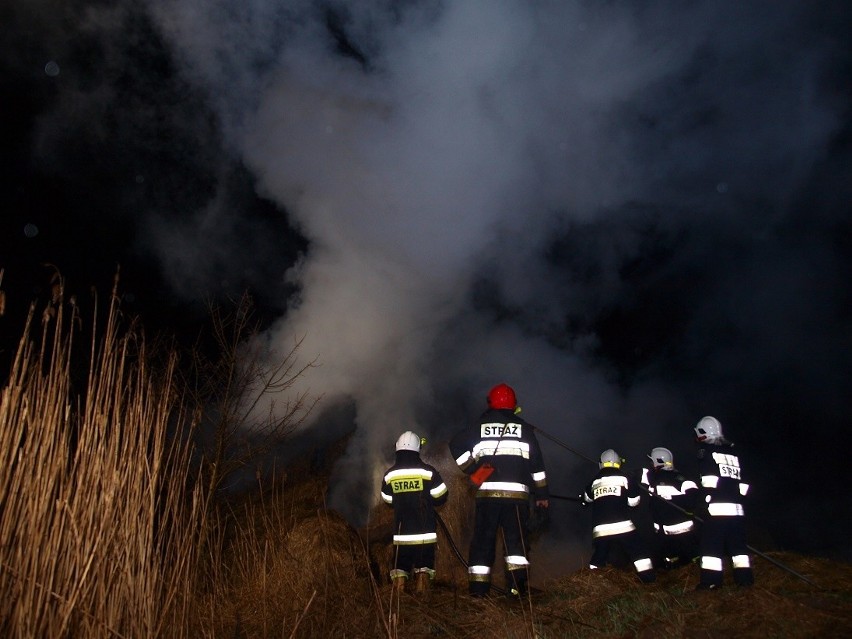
98	517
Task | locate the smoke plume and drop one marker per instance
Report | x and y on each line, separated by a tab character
636	214
486	186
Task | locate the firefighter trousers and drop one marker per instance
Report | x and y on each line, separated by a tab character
409	557
631	542
510	516
724	537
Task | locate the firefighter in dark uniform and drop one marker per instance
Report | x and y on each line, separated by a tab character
414	489
672	500
501	455
612	494
723	532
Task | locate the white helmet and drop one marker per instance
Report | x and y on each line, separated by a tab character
408	441
662	458
709	430
610	459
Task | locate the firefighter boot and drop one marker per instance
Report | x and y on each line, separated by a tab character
422	582
398	579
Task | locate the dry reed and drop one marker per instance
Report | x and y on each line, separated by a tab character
96	527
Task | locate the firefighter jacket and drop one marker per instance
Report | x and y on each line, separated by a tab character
502	448
612	494
668	485
414	489
722	486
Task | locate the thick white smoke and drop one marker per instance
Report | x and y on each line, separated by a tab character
464	125
636	213
426	148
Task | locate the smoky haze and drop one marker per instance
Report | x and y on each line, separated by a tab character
636	214
505	191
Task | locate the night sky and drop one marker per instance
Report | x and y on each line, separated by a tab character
637	214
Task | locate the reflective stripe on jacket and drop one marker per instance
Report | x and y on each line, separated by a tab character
507	443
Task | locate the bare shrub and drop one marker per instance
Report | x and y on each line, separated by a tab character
248	405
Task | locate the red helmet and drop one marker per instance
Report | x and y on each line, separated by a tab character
502	396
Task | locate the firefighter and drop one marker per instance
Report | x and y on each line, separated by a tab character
414	489
674	527
723	532
612	494
501	455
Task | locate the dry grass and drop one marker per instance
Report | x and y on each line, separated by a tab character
103	535
292	568
612	603
605	603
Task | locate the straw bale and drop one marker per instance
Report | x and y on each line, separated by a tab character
314	577
324	546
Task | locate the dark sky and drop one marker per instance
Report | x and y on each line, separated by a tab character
635	213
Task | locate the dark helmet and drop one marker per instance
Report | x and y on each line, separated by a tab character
502	396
